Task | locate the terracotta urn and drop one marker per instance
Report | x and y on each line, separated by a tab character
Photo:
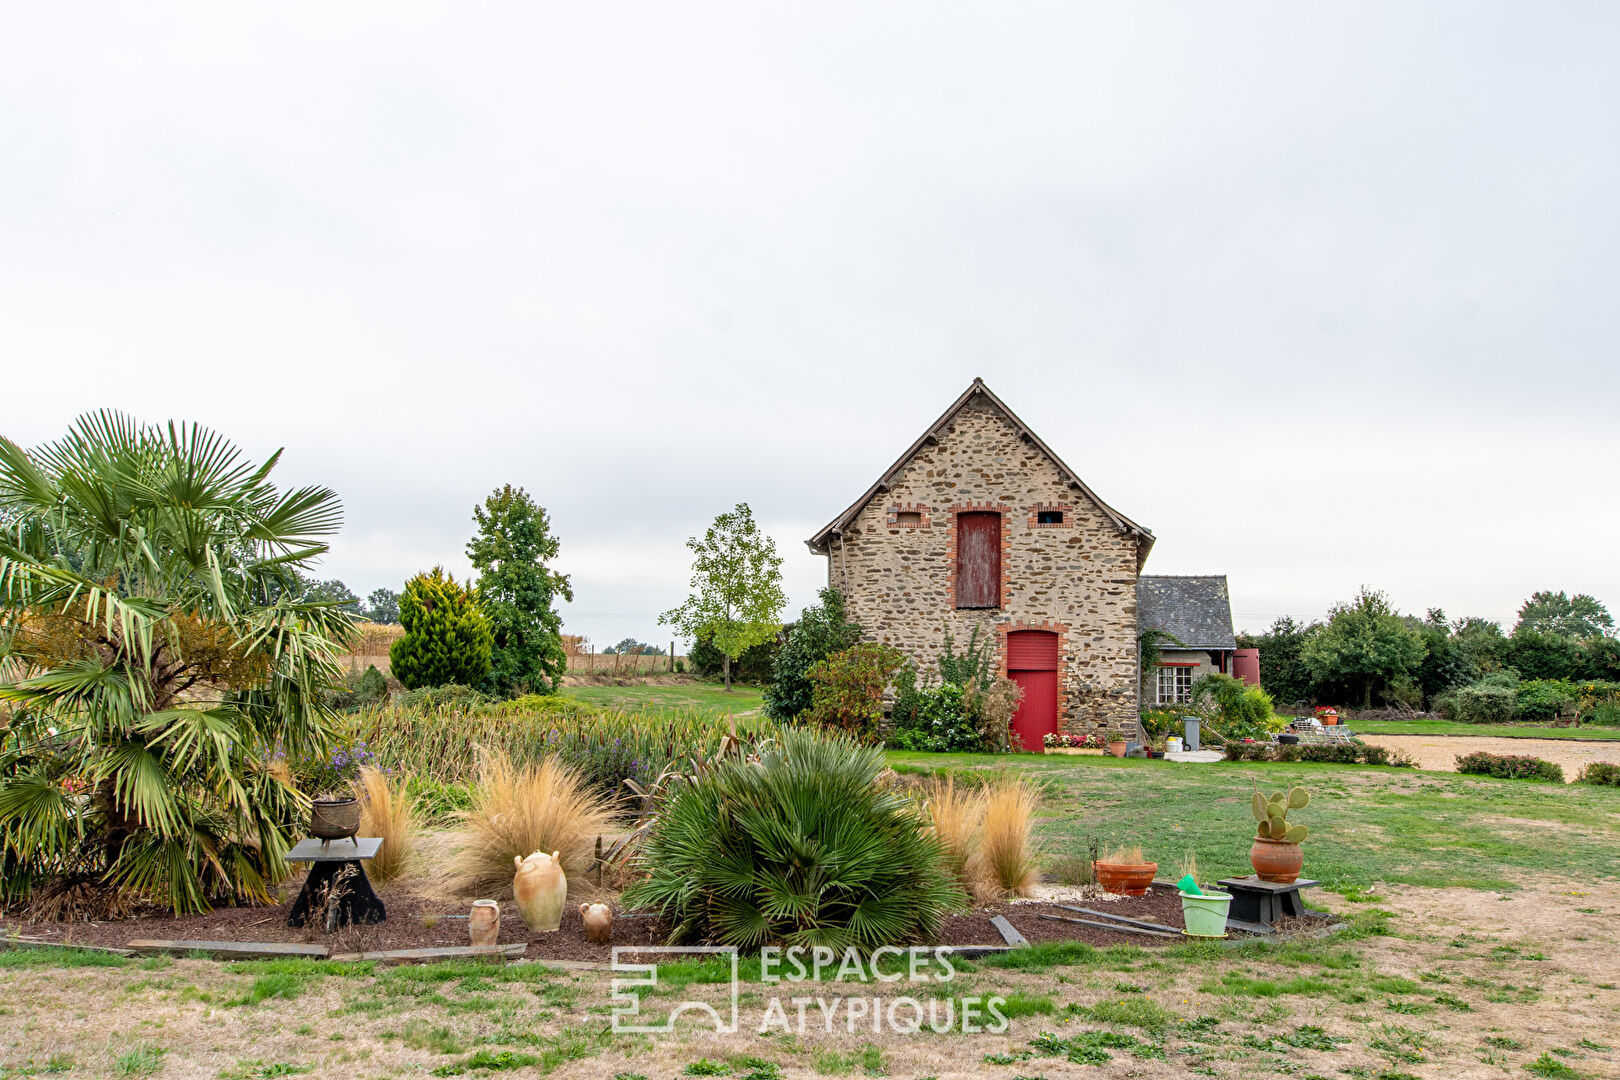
484	923
598	919
1116	747
1126	879
540	889
1276	861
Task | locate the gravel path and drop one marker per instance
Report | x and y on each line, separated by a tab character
1439	752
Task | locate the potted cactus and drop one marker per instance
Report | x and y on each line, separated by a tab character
1275	854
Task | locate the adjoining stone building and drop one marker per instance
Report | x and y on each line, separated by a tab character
1196	612
980	524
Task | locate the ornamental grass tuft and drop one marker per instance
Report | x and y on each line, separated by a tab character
517	810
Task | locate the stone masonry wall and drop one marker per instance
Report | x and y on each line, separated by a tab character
1078	578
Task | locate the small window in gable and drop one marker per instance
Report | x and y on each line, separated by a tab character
1049	517
908	519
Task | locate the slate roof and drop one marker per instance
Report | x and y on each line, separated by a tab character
820	542
1196	609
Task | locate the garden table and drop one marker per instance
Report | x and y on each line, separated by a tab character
1264	902
337	866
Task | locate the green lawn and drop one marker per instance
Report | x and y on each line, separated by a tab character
1367	824
707	697
1511	731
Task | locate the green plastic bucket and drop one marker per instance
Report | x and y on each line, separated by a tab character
1205	916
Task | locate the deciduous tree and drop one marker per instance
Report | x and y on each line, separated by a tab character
736	598
1579	616
1365	647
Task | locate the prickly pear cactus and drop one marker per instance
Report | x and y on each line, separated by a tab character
1271	814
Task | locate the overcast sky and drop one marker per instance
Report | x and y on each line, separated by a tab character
1322	296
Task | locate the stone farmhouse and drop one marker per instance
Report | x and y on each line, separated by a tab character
980	524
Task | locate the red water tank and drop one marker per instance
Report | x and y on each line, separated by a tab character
1246	665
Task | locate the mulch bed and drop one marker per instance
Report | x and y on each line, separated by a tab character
1159	905
407	927
411	924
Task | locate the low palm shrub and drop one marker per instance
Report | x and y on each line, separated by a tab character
521	809
799	844
1510	767
387	810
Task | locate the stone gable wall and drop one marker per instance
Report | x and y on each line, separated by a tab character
1078	578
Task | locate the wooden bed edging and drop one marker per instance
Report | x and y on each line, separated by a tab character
38	943
428	956
260	950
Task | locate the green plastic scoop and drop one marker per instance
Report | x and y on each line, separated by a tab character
1188	885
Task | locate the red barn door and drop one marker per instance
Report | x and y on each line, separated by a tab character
1032	663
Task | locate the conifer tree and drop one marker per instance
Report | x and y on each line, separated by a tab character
447	636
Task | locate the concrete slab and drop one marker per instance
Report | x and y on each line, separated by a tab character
1195	755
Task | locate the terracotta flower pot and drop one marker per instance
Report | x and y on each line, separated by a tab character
1276	861
1126	879
1329	719
1117	747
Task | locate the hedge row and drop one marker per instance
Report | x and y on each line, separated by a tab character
1510	767
1324	753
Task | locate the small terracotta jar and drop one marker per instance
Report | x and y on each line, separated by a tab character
598	919
484	923
540	889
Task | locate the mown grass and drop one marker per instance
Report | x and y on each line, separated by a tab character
702	697
1367	824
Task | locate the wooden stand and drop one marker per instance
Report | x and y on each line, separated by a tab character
356	902
1264	902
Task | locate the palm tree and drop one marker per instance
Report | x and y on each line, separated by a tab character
158	656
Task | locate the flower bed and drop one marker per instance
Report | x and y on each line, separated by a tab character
1065	741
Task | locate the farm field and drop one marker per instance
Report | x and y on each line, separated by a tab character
1472	946
1503	731
706	697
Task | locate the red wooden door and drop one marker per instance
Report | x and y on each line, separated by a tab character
1032	663
978	560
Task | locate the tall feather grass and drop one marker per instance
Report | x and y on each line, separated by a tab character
956	815
1006	854
985	833
519	809
387	810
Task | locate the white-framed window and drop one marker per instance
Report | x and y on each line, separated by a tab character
1175	684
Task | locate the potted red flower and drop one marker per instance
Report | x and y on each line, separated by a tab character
1327	715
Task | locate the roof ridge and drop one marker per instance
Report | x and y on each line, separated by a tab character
976	387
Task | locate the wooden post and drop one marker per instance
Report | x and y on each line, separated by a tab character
672	657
